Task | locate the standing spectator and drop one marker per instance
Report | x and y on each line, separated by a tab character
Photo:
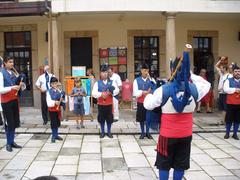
43	85
93	80
206	99
117	79
223	75
78	92
232	88
104	90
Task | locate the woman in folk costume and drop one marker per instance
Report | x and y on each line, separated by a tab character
178	100
142	86
104	90
55	99
11	83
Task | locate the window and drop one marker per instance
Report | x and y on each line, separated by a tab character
146	50
17	39
18	45
203	56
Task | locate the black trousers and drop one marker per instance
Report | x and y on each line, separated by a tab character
44	107
11	114
105	114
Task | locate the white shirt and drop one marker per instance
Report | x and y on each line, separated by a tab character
136	92
222	80
97	94
41	82
227	89
115	77
4	90
154	100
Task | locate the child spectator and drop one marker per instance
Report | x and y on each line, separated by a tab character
78	92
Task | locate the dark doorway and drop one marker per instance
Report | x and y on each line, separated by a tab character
81	52
203	56
18	45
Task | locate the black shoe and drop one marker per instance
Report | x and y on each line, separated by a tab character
14	145
235	137
45	123
102	135
149	136
9	148
226	136
59	138
142	136
109	135
53	140
115	120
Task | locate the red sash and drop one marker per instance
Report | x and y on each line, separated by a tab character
141	98
177	125
233	98
55	109
10	96
107	101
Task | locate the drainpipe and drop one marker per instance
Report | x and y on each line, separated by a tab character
50	58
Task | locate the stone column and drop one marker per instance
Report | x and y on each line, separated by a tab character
170	40
55	47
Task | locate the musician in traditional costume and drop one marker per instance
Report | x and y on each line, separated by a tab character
232	88
104	90
11	83
178	100
55	99
142	86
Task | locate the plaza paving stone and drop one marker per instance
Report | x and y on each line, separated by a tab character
106	158
83	155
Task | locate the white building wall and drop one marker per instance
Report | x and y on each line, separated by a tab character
213	6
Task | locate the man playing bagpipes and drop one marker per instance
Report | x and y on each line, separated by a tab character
11	84
142	86
178	100
104	90
55	99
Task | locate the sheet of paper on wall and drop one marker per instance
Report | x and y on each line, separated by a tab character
78	70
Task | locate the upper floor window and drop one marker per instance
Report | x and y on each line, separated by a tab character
17	39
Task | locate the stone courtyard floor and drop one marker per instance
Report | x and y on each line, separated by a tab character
83	155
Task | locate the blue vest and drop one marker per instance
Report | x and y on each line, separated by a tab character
166	92
233	83
8	79
55	95
104	87
143	85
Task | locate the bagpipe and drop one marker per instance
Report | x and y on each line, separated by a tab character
20	79
109	88
180	73
59	95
